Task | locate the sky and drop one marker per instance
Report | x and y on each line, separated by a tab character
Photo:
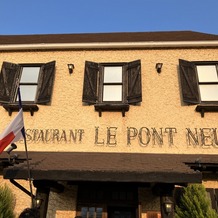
21	17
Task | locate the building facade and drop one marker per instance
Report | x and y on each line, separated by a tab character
114	122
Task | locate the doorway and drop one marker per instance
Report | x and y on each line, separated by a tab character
107	200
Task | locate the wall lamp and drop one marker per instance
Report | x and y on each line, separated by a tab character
70	68
11	148
168	205
159	67
38	202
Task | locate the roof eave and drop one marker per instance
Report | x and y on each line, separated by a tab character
109	45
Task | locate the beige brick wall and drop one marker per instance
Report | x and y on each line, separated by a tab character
22	200
210	184
161	107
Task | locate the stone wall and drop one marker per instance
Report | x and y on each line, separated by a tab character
63	205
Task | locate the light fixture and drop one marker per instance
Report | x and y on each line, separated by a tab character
11	148
168	205
159	67
70	68
38	202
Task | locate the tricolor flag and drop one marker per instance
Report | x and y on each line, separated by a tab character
14	131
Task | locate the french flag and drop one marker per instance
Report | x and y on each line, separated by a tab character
14	131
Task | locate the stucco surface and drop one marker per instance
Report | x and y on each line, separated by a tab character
22	200
162	108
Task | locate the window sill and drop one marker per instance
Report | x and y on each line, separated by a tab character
111	107
14	107
206	108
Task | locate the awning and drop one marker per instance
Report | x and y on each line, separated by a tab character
110	167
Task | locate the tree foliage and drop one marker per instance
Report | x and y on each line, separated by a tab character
6	202
195	203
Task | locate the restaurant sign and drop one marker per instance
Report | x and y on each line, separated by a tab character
144	136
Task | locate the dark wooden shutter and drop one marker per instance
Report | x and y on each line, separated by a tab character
45	83
216	199
134	90
90	82
189	82
212	197
9	81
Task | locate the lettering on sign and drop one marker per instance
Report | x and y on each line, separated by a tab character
54	135
153	136
143	136
205	137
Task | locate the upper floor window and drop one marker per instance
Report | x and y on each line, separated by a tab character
208	82
112	86
199	82
29	82
35	81
112	83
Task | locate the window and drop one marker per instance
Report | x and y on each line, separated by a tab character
208	82
91	212
112	86
35	81
199	81
112	83
28	83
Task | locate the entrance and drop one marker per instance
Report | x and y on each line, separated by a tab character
121	212
107	200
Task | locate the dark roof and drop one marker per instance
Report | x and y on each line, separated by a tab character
108	37
117	167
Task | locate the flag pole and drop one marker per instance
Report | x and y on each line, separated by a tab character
29	174
27	156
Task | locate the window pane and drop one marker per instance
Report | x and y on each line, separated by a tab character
207	73
99	211
28	93
84	211
209	92
91	212
113	74
122	195
30	75
112	93
115	195
129	196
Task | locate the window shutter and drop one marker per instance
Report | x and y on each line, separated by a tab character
212	197
216	199
134	93
45	83
9	80
189	82
90	82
